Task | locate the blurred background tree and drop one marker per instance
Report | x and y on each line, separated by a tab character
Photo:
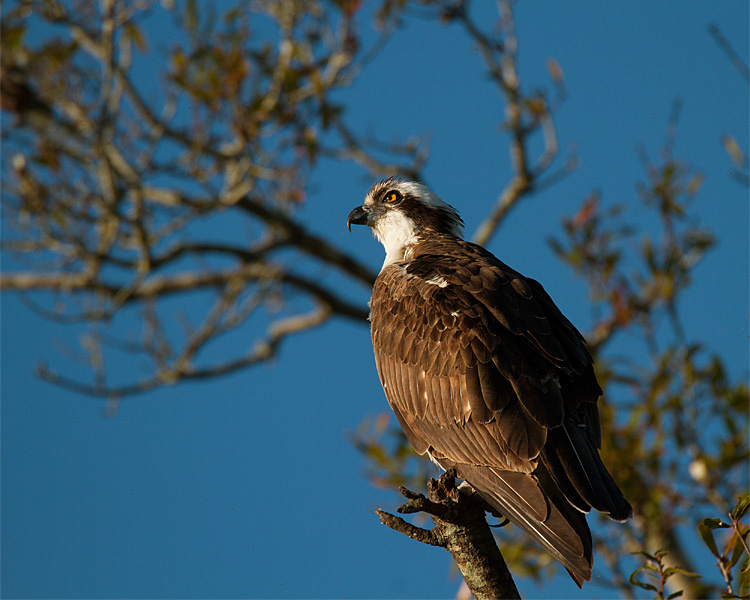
135	186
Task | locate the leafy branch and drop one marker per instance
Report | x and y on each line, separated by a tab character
734	549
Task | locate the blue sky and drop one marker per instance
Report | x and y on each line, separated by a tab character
208	490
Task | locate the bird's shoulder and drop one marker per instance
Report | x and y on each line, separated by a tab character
447	281
455	267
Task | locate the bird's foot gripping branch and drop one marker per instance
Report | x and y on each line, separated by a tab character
461	528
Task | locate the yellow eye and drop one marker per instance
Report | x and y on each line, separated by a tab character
393	197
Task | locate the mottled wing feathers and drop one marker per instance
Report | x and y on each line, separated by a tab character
486	374
471	337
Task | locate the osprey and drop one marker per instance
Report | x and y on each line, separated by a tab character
485	374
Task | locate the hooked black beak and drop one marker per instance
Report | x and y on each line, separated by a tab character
359	216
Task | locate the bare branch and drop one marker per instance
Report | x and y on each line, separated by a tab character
425	536
461	528
162	286
524	116
726	47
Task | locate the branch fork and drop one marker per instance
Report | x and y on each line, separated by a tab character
461	528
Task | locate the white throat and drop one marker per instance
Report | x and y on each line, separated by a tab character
396	232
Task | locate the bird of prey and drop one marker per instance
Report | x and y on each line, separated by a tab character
485	374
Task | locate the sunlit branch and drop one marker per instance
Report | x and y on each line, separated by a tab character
500	59
163	286
262	351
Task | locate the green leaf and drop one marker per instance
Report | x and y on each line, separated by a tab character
668	572
640	584
708	538
676	594
694	184
743	504
715	524
745	576
191	16
136	36
646	555
733	150
13	37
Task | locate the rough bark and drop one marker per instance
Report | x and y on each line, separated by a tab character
461	528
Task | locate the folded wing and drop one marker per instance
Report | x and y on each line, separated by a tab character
484	373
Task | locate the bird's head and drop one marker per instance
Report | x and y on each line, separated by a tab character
401	212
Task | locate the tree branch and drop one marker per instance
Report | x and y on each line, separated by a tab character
461	528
